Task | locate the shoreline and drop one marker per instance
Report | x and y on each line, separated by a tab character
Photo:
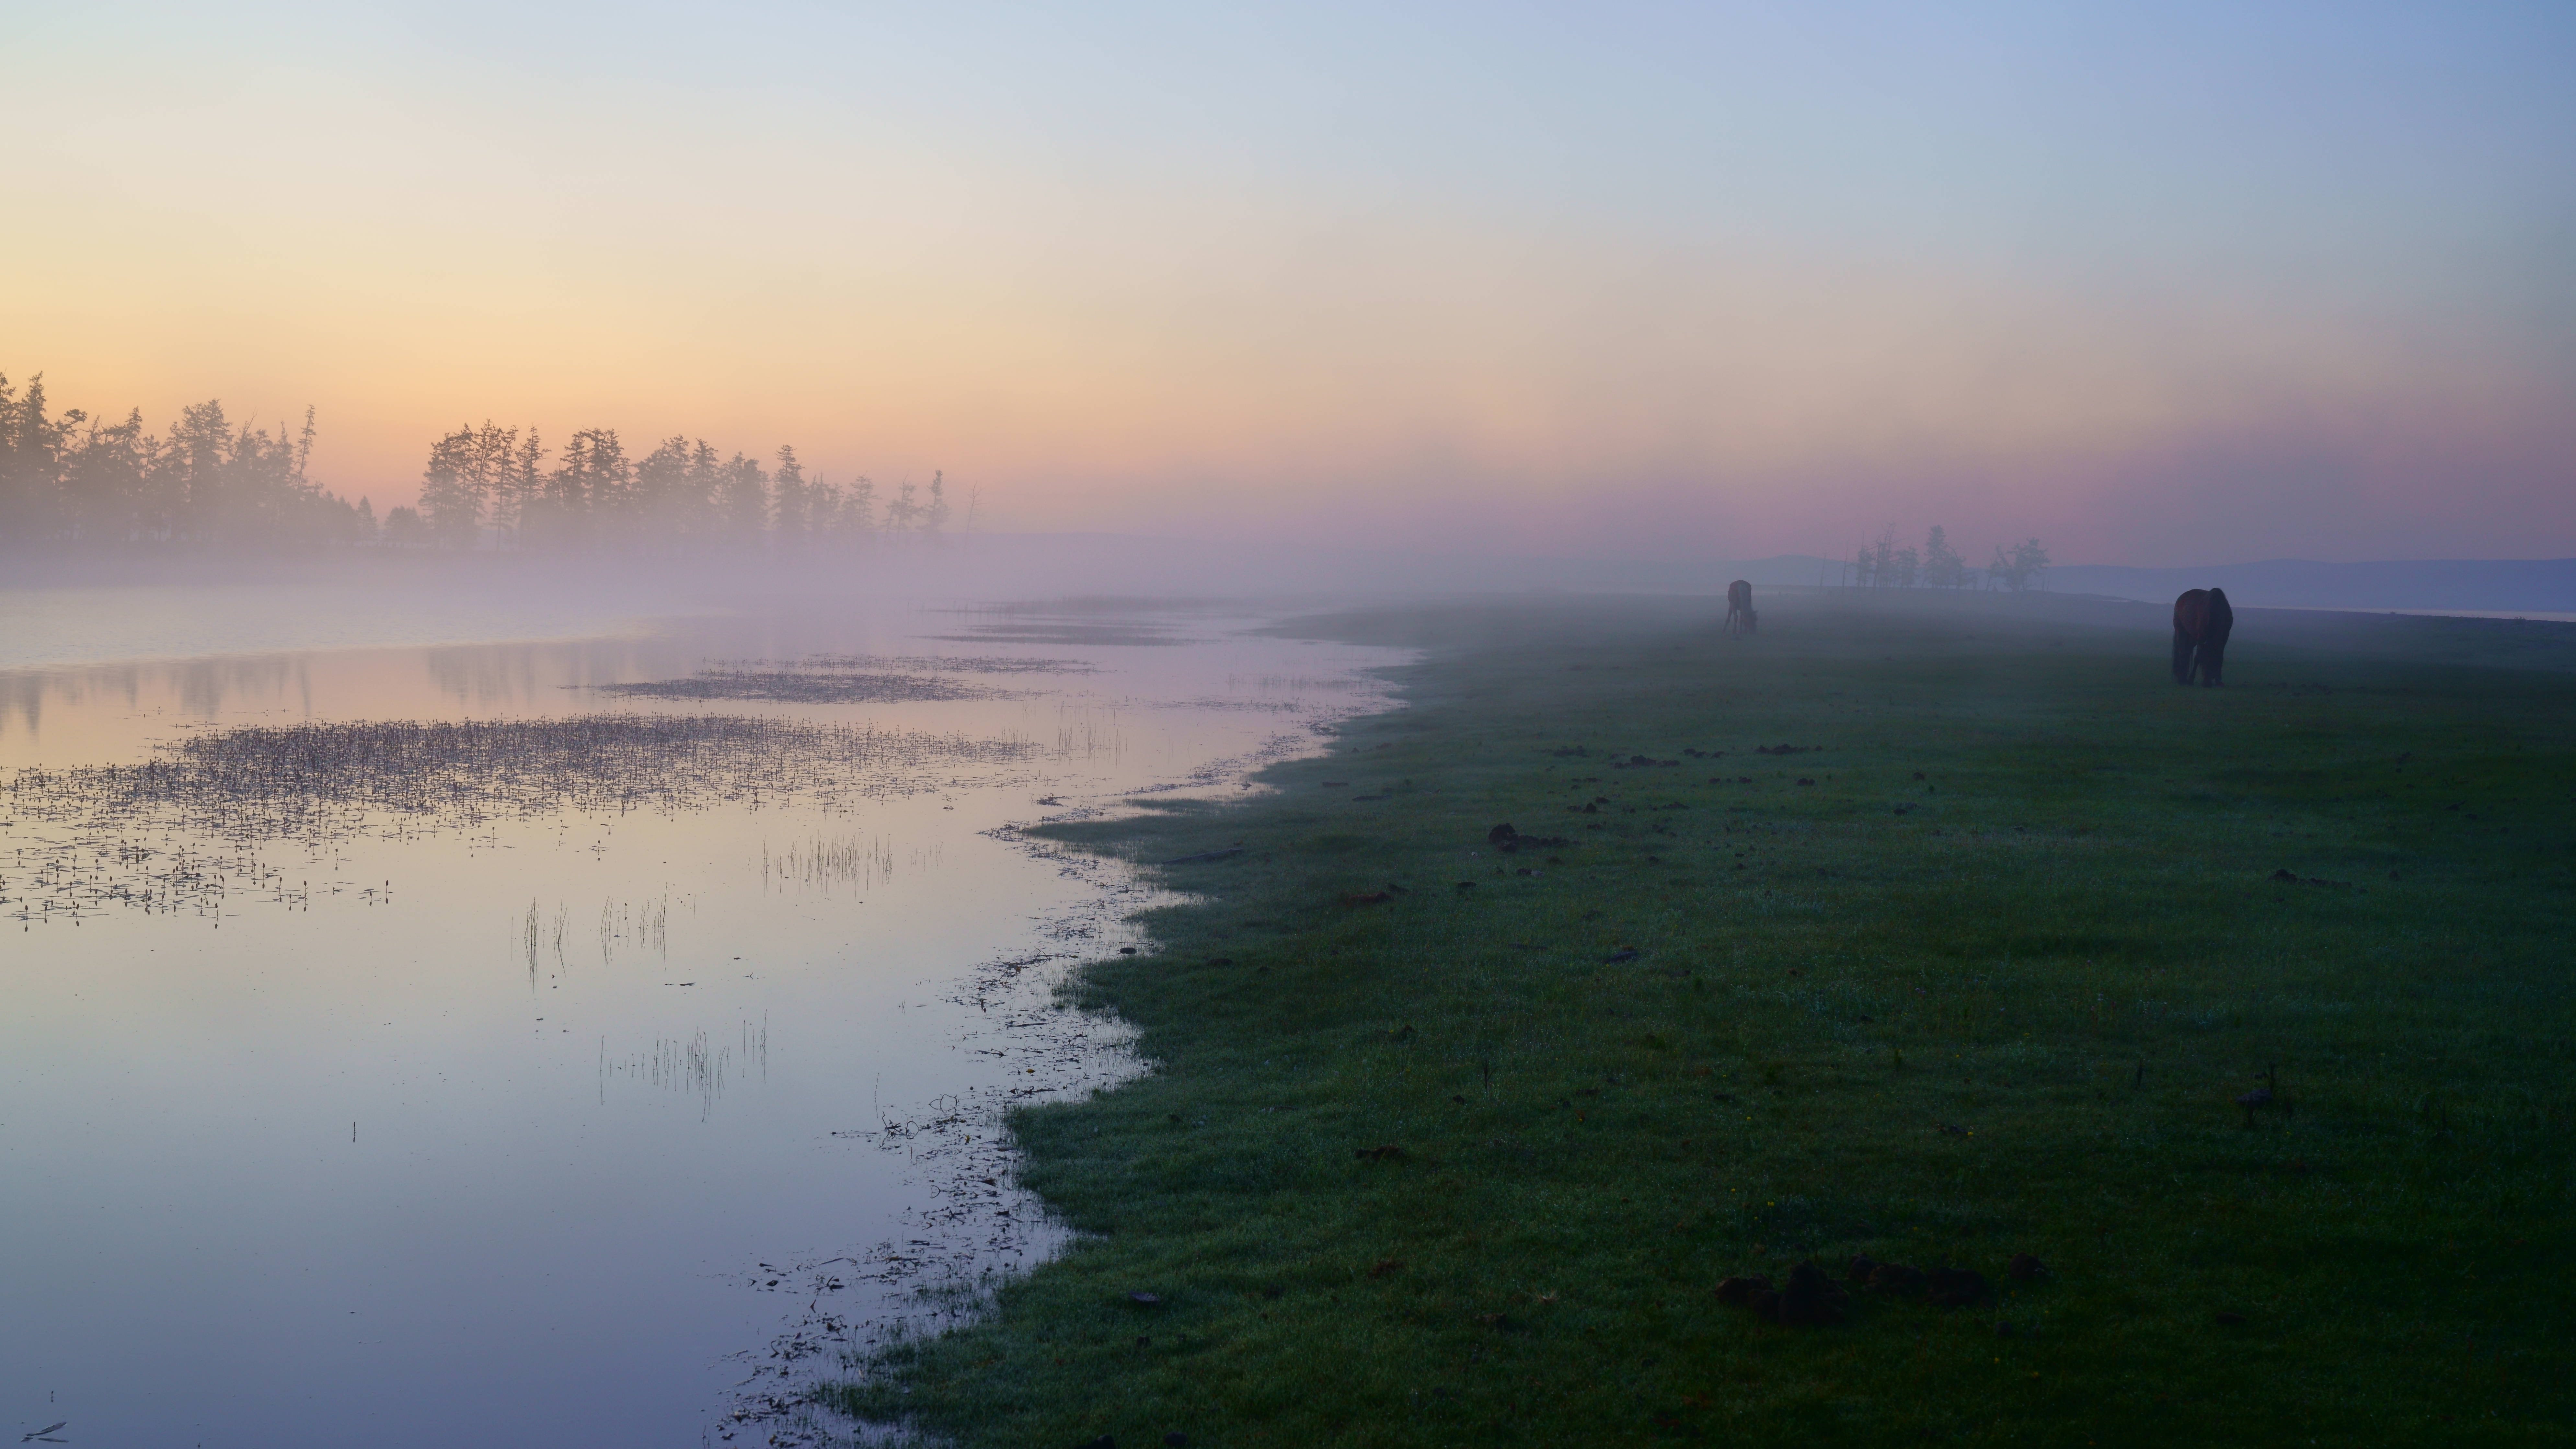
990	1229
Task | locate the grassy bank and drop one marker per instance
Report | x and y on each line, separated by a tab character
1980	970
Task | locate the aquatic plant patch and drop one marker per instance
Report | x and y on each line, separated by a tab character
325	778
798	686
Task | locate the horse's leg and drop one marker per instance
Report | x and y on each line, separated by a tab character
2213	656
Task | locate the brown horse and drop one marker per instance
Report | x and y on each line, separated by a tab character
2201	622
1740	617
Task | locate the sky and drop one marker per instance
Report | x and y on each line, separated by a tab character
2160	284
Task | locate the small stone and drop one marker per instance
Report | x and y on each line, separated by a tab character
1957	1287
1895	1278
2026	1268
1740	1289
1810	1298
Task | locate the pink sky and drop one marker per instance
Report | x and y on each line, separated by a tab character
1671	283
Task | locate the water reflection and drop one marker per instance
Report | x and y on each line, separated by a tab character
299	1116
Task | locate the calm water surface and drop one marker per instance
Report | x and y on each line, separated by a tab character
559	1128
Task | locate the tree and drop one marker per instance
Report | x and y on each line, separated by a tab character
451	502
526	486
1879	561
2021	567
67	479
902	514
742	498
1942	566
591	490
664	486
103	482
859	509
935	517
791	507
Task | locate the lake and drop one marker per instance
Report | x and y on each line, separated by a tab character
423	1036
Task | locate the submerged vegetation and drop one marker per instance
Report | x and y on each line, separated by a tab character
2195	1061
798	686
320	779
843	678
181	831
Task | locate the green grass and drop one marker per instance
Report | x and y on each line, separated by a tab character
2029	895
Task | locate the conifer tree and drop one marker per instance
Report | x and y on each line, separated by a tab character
742	496
935	517
791	511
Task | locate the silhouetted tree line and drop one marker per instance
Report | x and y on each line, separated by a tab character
75	481
1883	565
490	487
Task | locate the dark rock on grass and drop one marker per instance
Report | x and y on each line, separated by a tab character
1896	1278
1506	839
1624	953
1383	1152
1956	1287
1103	1442
1365	898
1176	1440
1810	1299
2026	1268
1740	1289
2231	1320
1862	1265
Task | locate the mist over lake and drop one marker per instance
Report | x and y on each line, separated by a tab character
363	1106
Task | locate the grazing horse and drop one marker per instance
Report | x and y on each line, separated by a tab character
2201	622
1740	617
